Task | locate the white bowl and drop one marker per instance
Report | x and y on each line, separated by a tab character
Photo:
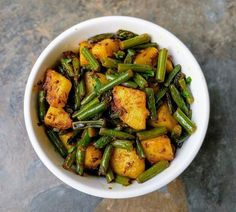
69	40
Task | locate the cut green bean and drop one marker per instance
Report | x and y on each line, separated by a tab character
123	144
129	84
109	62
153	133
85	139
145	69
67	67
184	121
70	159
151	103
88	98
93	63
140	39
140	81
130	56
160	94
179	141
119	55
139	148
153	171
146	45
125	34
41	105
80	157
105	160
125	181
57	142
102	142
109	175
178	99
188	80
161	65
85	124
186	91
172	75
101	37
92	111
76	66
169	103
115	133
86	107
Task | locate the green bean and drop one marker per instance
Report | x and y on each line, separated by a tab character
109	175
176	131
140	81
93	63
115	133
105	160
186	91
88	98
139	148
172	75
178	99
102	142
145	69
57	142
188	80
160	94
119	55
41	105
124	144
76	66
80	157
153	171
86	107
77	97
82	89
101	37
161	66
179	141
70	159
74	137
125	34
146	45
92	111
153	133
109	62
67	67
85	124
184	121
130	56
123	77
129	84
151	103
125	181
140	39
169	103
85	139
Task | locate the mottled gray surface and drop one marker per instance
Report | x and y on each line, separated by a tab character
208	28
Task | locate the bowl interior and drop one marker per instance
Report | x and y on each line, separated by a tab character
69	41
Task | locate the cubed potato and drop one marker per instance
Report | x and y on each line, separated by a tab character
127	163
131	104
147	56
105	48
157	149
58	88
93	157
57	118
90	82
164	118
83	60
64	138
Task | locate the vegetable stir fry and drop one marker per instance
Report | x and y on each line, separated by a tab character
118	108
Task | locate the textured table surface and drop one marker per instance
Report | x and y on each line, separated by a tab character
208	28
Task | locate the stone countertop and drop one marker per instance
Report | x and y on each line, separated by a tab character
208	28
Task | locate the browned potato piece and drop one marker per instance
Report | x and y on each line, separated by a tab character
90	80
83	60
105	48
127	163
147	56
164	118
57	118
57	87
93	157
157	149
64	138
131	103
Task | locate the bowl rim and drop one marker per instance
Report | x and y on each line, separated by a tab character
43	157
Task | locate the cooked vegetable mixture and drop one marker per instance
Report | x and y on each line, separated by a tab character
118	108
